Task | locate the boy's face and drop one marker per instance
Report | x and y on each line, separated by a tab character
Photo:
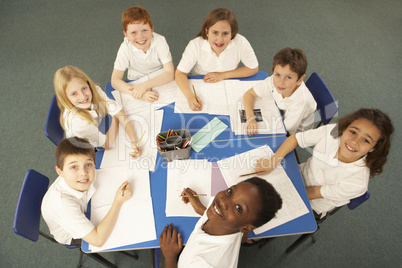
285	80
78	171
219	36
139	35
79	93
236	208
358	139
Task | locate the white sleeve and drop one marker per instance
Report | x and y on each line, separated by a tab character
294	117
248	57
189	58
354	185
264	87
122	61
112	106
163	51
78	127
313	136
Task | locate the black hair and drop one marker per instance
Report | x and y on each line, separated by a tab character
270	200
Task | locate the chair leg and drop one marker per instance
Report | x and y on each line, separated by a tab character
80	259
156	257
298	242
134	256
101	260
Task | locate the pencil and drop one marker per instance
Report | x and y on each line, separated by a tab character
124	188
194	195
141	138
248	174
195	93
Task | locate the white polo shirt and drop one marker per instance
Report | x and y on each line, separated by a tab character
298	109
63	210
140	63
75	125
200	59
340	181
204	250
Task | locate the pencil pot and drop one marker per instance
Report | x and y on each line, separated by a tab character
174	144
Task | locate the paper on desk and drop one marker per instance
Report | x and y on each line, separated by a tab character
264	106
135	222
293	205
207	134
119	155
195	174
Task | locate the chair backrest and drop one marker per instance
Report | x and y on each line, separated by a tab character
326	104
53	129
28	211
355	202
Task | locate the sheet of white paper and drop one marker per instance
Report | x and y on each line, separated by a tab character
272	121
293	205
119	155
135	222
195	174
181	104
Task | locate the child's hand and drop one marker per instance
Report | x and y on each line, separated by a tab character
251	126
124	192
138	91
213	77
137	152
171	244
150	96
195	103
265	165
193	200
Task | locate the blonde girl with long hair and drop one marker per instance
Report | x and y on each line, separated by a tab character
83	105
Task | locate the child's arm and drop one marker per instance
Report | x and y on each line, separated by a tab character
164	78
118	83
128	127
314	192
171	244
182	82
111	134
248	102
237	73
100	234
194	201
265	165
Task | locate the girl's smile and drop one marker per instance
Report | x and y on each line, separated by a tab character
219	36
358	139
79	93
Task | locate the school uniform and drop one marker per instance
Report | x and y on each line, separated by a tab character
199	58
63	210
204	250
75	125
340	181
298	109
140	63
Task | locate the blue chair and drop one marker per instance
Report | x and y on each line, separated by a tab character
327	107
53	129
354	203
28	213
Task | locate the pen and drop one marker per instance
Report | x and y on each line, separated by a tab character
194	195
248	174
195	93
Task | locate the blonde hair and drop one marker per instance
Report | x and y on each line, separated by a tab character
61	79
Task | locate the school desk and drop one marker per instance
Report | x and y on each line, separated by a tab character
225	145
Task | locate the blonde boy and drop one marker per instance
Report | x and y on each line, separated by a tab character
144	53
65	203
289	91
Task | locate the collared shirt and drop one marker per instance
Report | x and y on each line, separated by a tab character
75	125
298	108
63	210
140	63
200	59
204	250
340	181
